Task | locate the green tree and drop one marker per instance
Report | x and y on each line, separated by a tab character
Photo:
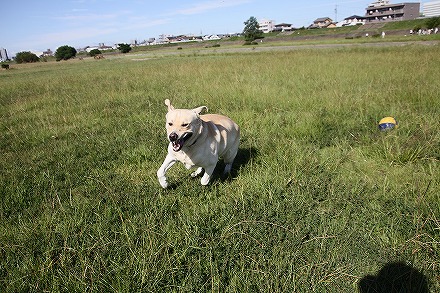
251	30
26	57
94	52
65	53
124	48
433	22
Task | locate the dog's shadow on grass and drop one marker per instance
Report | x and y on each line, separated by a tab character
394	277
243	157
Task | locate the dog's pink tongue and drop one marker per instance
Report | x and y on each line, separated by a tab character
177	145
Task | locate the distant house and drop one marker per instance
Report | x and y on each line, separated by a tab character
210	37
323	22
382	11
431	9
103	47
178	39
283	27
89	48
266	26
163	39
353	20
48	52
225	36
100	47
3	55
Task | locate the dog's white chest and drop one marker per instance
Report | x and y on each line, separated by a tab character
184	159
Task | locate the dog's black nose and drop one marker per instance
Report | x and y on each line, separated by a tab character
173	136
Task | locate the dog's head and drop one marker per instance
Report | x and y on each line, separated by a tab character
182	125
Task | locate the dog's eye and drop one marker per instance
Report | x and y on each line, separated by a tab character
184	124
170	124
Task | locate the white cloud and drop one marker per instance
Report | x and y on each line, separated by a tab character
141	23
209	5
86	17
75	35
79	9
87	35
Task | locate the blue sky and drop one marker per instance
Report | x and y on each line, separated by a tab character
39	25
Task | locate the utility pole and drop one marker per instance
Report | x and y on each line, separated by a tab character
336	13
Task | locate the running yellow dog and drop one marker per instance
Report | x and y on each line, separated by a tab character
198	141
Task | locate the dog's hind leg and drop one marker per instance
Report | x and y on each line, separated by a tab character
229	157
227	169
197	172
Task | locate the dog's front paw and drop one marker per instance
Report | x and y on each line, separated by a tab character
205	179
163	182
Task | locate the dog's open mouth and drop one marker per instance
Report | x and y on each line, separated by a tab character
178	143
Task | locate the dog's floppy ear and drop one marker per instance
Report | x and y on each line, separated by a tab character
200	109
168	103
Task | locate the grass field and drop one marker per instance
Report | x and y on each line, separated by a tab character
319	199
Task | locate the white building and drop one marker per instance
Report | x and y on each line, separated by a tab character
3	55
379	3
210	37
283	27
100	48
352	20
266	26
431	9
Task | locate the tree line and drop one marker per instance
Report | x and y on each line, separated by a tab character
251	32
63	53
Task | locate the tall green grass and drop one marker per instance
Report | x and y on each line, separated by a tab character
318	200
